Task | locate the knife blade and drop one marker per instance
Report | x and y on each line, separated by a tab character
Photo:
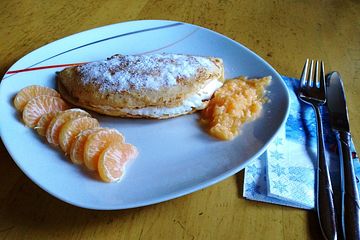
339	122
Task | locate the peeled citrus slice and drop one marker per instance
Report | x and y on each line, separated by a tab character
53	130
96	143
44	122
27	93
40	105
72	128
77	146
129	151
112	161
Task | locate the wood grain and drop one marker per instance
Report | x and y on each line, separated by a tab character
284	33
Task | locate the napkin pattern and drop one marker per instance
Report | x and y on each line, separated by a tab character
289	179
285	173
255	184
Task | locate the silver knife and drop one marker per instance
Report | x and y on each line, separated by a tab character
350	208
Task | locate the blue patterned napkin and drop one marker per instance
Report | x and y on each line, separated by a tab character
285	173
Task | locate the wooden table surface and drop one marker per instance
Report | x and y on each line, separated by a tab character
284	33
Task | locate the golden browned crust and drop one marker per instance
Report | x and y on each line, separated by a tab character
88	95
115	112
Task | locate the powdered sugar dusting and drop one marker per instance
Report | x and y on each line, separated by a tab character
153	71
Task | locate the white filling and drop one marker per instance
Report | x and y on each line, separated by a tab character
193	102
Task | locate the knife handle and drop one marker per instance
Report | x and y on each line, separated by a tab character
324	198
350	211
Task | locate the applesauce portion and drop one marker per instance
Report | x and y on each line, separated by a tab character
238	101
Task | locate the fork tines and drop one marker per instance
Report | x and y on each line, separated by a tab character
309	77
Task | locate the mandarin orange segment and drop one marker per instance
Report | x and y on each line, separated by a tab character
96	143
77	146
72	128
53	130
40	105
44	122
110	164
112	160
27	93
77	133
129	151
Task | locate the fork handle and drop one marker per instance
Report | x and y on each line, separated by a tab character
350	211
324	200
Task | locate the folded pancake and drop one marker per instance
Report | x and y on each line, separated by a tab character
143	86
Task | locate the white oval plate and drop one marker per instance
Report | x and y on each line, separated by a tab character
176	156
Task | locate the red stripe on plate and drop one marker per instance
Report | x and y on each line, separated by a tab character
44	67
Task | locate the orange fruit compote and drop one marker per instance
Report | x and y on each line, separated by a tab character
238	101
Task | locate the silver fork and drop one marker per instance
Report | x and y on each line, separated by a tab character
312	91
